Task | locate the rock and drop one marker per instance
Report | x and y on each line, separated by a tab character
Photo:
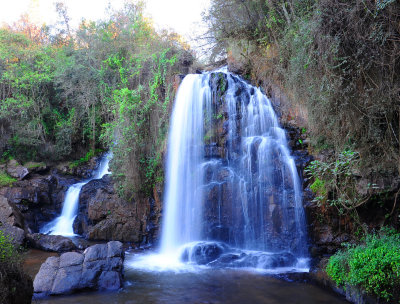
67	280
38	199
16	170
9	214
114	249
98	268
105	216
109	280
202	253
96	252
71	259
15	234
44	279
11	222
56	243
35	167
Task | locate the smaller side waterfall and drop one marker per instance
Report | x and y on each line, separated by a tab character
63	225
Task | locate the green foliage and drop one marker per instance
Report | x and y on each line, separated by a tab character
319	188
373	266
6	180
85	159
336	178
7	249
109	84
337	59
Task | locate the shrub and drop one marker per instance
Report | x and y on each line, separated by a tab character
15	286
374	266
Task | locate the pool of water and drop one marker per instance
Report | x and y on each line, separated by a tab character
201	286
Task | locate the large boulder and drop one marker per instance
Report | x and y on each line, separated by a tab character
56	243
99	267
103	215
11	222
202	253
9	214
15	170
15	235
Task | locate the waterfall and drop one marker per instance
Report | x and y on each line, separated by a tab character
63	225
230	176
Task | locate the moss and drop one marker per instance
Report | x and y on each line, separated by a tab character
32	165
318	187
6	180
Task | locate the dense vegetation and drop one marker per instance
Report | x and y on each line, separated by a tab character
64	94
337	58
373	265
15	286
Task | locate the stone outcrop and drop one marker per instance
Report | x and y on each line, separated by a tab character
16	170
99	267
103	215
38	198
56	243
11	222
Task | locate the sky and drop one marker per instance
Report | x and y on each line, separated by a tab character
182	16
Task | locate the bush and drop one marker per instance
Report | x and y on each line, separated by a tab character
15	286
373	266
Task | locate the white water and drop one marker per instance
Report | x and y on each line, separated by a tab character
185	152
63	225
250	198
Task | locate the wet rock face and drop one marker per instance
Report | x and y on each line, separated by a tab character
103	215
218	254
247	181
38	199
99	267
203	252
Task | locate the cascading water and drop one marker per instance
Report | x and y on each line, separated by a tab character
63	225
233	196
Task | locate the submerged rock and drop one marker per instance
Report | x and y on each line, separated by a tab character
99	267
218	254
203	252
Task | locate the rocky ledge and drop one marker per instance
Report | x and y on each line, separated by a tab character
99	267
